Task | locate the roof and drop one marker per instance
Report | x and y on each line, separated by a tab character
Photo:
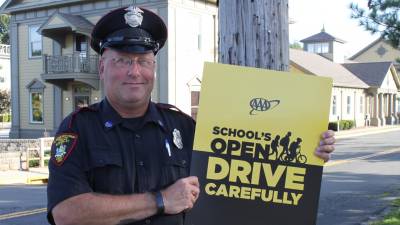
366	48
10	6
372	73
322	37
75	23
317	65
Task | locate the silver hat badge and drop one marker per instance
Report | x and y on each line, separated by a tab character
134	16
177	138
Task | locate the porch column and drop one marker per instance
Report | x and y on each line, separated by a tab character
395	115
381	110
375	121
388	107
15	94
367	114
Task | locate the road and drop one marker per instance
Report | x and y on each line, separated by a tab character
363	175
23	205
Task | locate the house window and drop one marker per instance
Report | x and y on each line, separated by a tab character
361	104
1	79
322	47
81	45
195	98
334	105
81	96
35	42
36	107
348	104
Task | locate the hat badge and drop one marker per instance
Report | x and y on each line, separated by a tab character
134	16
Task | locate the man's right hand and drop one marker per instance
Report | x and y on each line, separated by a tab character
181	195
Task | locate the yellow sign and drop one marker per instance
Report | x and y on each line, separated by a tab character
255	138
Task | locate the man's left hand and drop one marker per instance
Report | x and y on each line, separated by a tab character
326	145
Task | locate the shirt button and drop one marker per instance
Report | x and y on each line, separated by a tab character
148	221
137	135
183	162
140	163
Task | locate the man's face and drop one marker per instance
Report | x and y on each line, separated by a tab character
128	77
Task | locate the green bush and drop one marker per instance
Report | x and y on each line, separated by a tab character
332	126
346	124
5	117
34	163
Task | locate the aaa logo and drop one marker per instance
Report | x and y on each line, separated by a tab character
262	104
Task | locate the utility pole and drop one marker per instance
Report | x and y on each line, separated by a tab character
254	33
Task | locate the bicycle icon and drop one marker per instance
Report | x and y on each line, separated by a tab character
290	152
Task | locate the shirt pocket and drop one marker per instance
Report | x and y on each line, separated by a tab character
176	166
106	173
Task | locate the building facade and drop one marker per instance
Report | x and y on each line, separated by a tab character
379	50
54	70
367	93
5	75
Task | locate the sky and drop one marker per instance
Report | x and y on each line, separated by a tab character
311	15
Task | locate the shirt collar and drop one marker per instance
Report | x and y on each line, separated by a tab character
111	118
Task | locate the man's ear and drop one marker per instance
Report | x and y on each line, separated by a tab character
101	68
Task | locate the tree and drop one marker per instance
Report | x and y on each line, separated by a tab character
5	101
382	16
4	23
254	33
295	45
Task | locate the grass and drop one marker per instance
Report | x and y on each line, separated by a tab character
393	218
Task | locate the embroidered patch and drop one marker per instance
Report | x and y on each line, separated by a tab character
62	147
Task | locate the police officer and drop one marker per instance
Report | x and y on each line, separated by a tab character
126	159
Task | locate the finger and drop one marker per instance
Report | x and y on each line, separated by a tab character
193	180
323	155
196	192
326	148
327	141
328	134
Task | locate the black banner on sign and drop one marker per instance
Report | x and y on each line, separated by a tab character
275	194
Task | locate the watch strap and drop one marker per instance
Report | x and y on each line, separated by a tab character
159	202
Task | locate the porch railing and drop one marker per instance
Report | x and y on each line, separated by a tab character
5	50
74	63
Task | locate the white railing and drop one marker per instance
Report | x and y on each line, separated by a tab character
4	49
40	153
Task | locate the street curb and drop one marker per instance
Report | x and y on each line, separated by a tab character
356	133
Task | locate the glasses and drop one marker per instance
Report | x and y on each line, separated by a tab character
127	62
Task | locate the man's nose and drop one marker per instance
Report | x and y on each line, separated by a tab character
134	68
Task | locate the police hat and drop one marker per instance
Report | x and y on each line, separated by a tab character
129	29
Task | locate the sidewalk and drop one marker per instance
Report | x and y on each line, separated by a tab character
365	131
33	176
40	175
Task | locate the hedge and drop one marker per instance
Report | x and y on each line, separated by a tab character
5	117
343	125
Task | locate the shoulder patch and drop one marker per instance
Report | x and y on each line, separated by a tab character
62	147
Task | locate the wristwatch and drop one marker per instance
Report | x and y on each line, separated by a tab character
159	203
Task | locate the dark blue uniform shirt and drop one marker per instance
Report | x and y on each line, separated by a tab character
96	150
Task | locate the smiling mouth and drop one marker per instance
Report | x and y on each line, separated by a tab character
133	83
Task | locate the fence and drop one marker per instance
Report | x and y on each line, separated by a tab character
15	154
40	153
